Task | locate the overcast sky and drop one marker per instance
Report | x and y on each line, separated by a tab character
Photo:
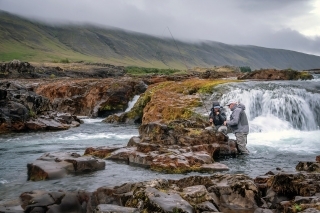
284	24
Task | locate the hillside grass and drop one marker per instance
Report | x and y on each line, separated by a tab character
33	41
138	71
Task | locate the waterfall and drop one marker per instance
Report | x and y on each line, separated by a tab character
276	105
132	102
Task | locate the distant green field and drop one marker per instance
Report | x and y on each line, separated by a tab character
143	71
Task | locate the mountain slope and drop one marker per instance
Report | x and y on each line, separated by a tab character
33	41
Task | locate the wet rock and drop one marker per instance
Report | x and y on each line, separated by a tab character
228	147
290	191
276	191
122	154
22	109
91	97
206	207
273	74
308	166
166	202
108	208
45	124
196	194
168	101
236	193
50	202
100	152
214	167
169	149
141	159
294	183
112	195
57	165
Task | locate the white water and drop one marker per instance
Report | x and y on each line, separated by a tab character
132	102
284	123
295	106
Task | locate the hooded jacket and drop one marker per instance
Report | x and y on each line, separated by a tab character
218	119
238	119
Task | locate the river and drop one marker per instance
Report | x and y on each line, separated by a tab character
284	120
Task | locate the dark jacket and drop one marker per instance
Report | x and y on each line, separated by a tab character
238	119
217	119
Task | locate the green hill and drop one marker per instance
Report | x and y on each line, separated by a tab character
33	41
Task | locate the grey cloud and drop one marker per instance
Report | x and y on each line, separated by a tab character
287	39
274	5
256	22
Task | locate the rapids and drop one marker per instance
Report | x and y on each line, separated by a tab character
284	120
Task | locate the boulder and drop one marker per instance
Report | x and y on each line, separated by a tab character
308	166
172	148
213	167
236	194
169	149
91	97
22	109
42	201
167	202
206	207
290	191
196	194
169	100
45	124
57	165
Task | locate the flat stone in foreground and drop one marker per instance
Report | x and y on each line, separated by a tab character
168	202
214	167
57	165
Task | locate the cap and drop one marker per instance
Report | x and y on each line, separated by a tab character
231	102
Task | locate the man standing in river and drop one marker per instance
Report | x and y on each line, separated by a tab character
239	124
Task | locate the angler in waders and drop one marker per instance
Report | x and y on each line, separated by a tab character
239	124
216	118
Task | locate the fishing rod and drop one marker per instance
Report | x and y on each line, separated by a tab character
178	49
204	103
187	69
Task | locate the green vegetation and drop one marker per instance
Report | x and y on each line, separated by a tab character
65	61
245	69
297	208
32	114
133	70
305	76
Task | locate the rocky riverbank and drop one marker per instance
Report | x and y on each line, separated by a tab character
274	192
21	109
172	139
273	74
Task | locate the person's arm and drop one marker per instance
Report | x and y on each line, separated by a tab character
222	116
210	115
235	117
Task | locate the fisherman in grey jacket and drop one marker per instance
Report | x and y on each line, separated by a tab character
239	124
